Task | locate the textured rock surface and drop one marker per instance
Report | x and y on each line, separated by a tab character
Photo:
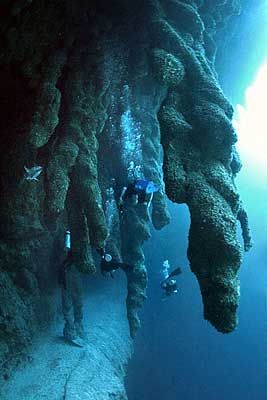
198	139
96	106
55	370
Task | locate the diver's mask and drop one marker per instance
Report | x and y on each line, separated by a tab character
107	257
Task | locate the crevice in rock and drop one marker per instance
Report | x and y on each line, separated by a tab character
97	102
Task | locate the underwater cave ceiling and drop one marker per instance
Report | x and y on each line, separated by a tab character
92	100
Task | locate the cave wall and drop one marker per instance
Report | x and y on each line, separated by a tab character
94	100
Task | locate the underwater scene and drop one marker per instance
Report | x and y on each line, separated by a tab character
133	219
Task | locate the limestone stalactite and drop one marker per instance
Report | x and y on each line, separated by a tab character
96	105
198	139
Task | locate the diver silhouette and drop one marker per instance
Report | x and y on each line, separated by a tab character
169	285
69	278
140	190
109	265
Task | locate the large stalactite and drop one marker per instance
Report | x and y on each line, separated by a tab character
73	75
198	141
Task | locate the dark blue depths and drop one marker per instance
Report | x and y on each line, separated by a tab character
178	355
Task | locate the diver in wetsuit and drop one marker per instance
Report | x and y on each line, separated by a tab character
108	265
141	190
70	281
169	285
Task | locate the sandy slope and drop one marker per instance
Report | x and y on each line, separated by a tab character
95	372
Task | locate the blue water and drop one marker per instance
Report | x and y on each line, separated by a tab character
178	355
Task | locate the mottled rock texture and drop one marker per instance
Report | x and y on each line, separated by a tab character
54	370
198	141
76	79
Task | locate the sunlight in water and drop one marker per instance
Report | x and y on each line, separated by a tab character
251	124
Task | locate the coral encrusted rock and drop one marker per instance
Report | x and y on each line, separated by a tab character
93	103
198	141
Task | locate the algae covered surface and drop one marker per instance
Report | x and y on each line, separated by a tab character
99	103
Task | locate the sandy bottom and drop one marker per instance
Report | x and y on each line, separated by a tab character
59	370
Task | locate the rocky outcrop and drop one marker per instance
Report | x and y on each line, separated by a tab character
198	141
96	107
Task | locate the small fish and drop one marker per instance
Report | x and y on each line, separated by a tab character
31	174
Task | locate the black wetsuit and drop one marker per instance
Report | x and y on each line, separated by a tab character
169	285
109	266
62	271
132	191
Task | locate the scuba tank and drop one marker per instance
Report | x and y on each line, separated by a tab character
67	240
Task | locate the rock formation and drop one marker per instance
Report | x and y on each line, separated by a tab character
95	101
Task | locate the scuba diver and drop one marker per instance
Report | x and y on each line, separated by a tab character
69	278
108	265
141	190
169	284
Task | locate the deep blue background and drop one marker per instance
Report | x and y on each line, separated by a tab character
178	355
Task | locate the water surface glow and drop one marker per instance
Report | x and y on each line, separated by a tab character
251	124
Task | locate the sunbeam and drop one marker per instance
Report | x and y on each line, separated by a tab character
251	124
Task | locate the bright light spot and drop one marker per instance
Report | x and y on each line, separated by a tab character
251	124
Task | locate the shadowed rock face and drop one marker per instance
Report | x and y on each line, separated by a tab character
198	141
93	100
